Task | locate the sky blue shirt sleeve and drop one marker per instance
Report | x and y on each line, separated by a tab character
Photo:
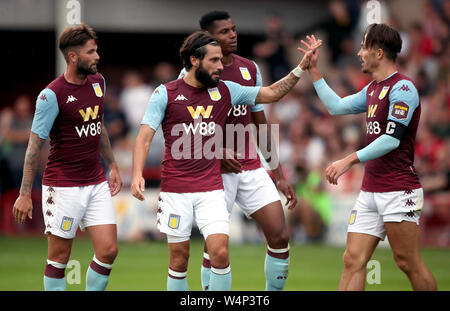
336	105
46	112
242	95
378	148
257	107
156	108
183	72
406	93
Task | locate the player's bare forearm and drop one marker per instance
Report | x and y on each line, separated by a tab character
277	90
140	152
141	148
105	148
31	163
315	74
340	167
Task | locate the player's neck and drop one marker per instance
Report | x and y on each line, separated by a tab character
227	60
73	76
190	79
384	72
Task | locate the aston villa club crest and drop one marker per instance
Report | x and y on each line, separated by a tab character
97	89
353	217
66	223
214	94
174	221
245	73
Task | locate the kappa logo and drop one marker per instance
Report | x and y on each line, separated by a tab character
405	88
410	202
50	200
71	99
181	97
410	214
43	97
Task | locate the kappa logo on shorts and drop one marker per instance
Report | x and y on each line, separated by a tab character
353	217
66	223
410	214
174	221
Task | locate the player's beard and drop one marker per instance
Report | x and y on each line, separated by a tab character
84	68
202	76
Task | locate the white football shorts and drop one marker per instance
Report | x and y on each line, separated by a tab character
178	211
373	209
251	190
66	208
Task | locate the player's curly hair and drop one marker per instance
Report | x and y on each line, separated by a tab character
75	36
384	37
209	18
195	45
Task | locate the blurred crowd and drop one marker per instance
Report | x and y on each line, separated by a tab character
310	139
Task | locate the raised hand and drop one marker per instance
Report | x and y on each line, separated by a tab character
311	52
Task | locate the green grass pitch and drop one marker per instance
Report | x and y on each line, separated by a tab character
143	266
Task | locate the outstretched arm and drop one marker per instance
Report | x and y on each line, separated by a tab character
23	206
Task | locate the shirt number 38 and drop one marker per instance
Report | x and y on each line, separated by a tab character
373	127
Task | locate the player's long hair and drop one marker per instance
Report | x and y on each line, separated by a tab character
384	37
195	45
75	36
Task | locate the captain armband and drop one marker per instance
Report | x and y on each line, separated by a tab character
396	129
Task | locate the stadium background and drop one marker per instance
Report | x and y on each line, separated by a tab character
138	46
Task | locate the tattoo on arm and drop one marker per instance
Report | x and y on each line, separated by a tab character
277	90
105	147
283	86
31	163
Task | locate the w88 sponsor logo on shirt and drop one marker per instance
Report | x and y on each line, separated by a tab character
93	128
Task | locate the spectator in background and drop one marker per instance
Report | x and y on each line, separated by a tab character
134	98
339	28
164	72
273	49
16	127
114	118
314	210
